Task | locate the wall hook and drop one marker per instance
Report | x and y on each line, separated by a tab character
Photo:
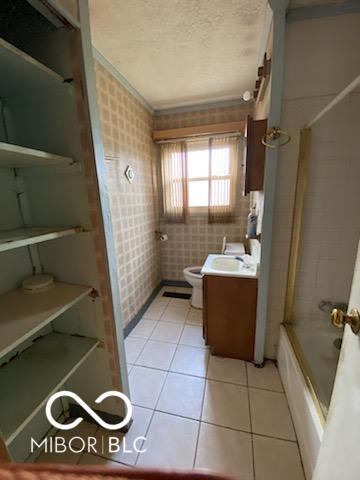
275	133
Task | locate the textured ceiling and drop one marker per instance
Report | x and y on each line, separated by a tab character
181	52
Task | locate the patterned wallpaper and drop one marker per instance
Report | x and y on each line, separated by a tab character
136	207
202	117
126	129
189	245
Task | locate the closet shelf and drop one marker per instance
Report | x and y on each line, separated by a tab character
15	156
22	315
23	72
21	237
27	381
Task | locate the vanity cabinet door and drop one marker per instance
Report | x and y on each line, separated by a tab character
254	156
230	316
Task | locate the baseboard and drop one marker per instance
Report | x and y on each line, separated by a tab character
308	427
176	283
136	319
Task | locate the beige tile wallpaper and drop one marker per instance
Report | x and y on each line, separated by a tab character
126	127
202	117
136	207
189	244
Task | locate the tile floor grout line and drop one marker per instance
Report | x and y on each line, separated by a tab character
247	431
185	417
198	376
250	418
158	398
167	341
293	442
146	432
131	334
170	343
146	341
154	410
206	380
201	412
206	348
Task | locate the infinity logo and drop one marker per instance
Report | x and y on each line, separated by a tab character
90	411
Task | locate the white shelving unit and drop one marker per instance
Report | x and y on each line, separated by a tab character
45	110
22	237
22	315
35	375
23	71
15	156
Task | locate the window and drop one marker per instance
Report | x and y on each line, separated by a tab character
208	176
200	177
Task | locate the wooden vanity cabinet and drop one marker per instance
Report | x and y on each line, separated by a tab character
229	316
254	156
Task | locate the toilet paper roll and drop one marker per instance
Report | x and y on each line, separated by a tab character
163	237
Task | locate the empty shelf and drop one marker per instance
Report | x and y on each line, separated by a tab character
27	381
15	156
21	237
21	72
22	315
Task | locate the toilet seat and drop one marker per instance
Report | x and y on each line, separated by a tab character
194	272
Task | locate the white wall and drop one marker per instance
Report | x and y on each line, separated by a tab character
320	60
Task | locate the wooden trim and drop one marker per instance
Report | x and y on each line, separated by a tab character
228	127
261	84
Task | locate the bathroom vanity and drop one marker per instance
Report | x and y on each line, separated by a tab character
229	309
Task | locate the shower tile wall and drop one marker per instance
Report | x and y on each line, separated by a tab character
332	223
126	128
331	229
190	244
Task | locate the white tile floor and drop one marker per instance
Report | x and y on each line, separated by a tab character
200	411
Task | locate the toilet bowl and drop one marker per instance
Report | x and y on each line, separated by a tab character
193	276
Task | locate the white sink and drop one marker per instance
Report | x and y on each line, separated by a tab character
229	266
226	264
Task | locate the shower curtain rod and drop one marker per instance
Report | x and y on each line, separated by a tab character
197	137
355	83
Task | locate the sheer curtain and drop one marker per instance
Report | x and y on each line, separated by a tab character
174	181
203	180
223	161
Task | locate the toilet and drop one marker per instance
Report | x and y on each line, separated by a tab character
193	276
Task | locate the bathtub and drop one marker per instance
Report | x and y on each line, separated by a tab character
308	421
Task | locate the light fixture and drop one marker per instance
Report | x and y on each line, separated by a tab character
247	96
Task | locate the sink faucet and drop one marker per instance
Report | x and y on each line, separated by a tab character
223	246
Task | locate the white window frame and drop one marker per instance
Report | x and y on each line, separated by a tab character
202	210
